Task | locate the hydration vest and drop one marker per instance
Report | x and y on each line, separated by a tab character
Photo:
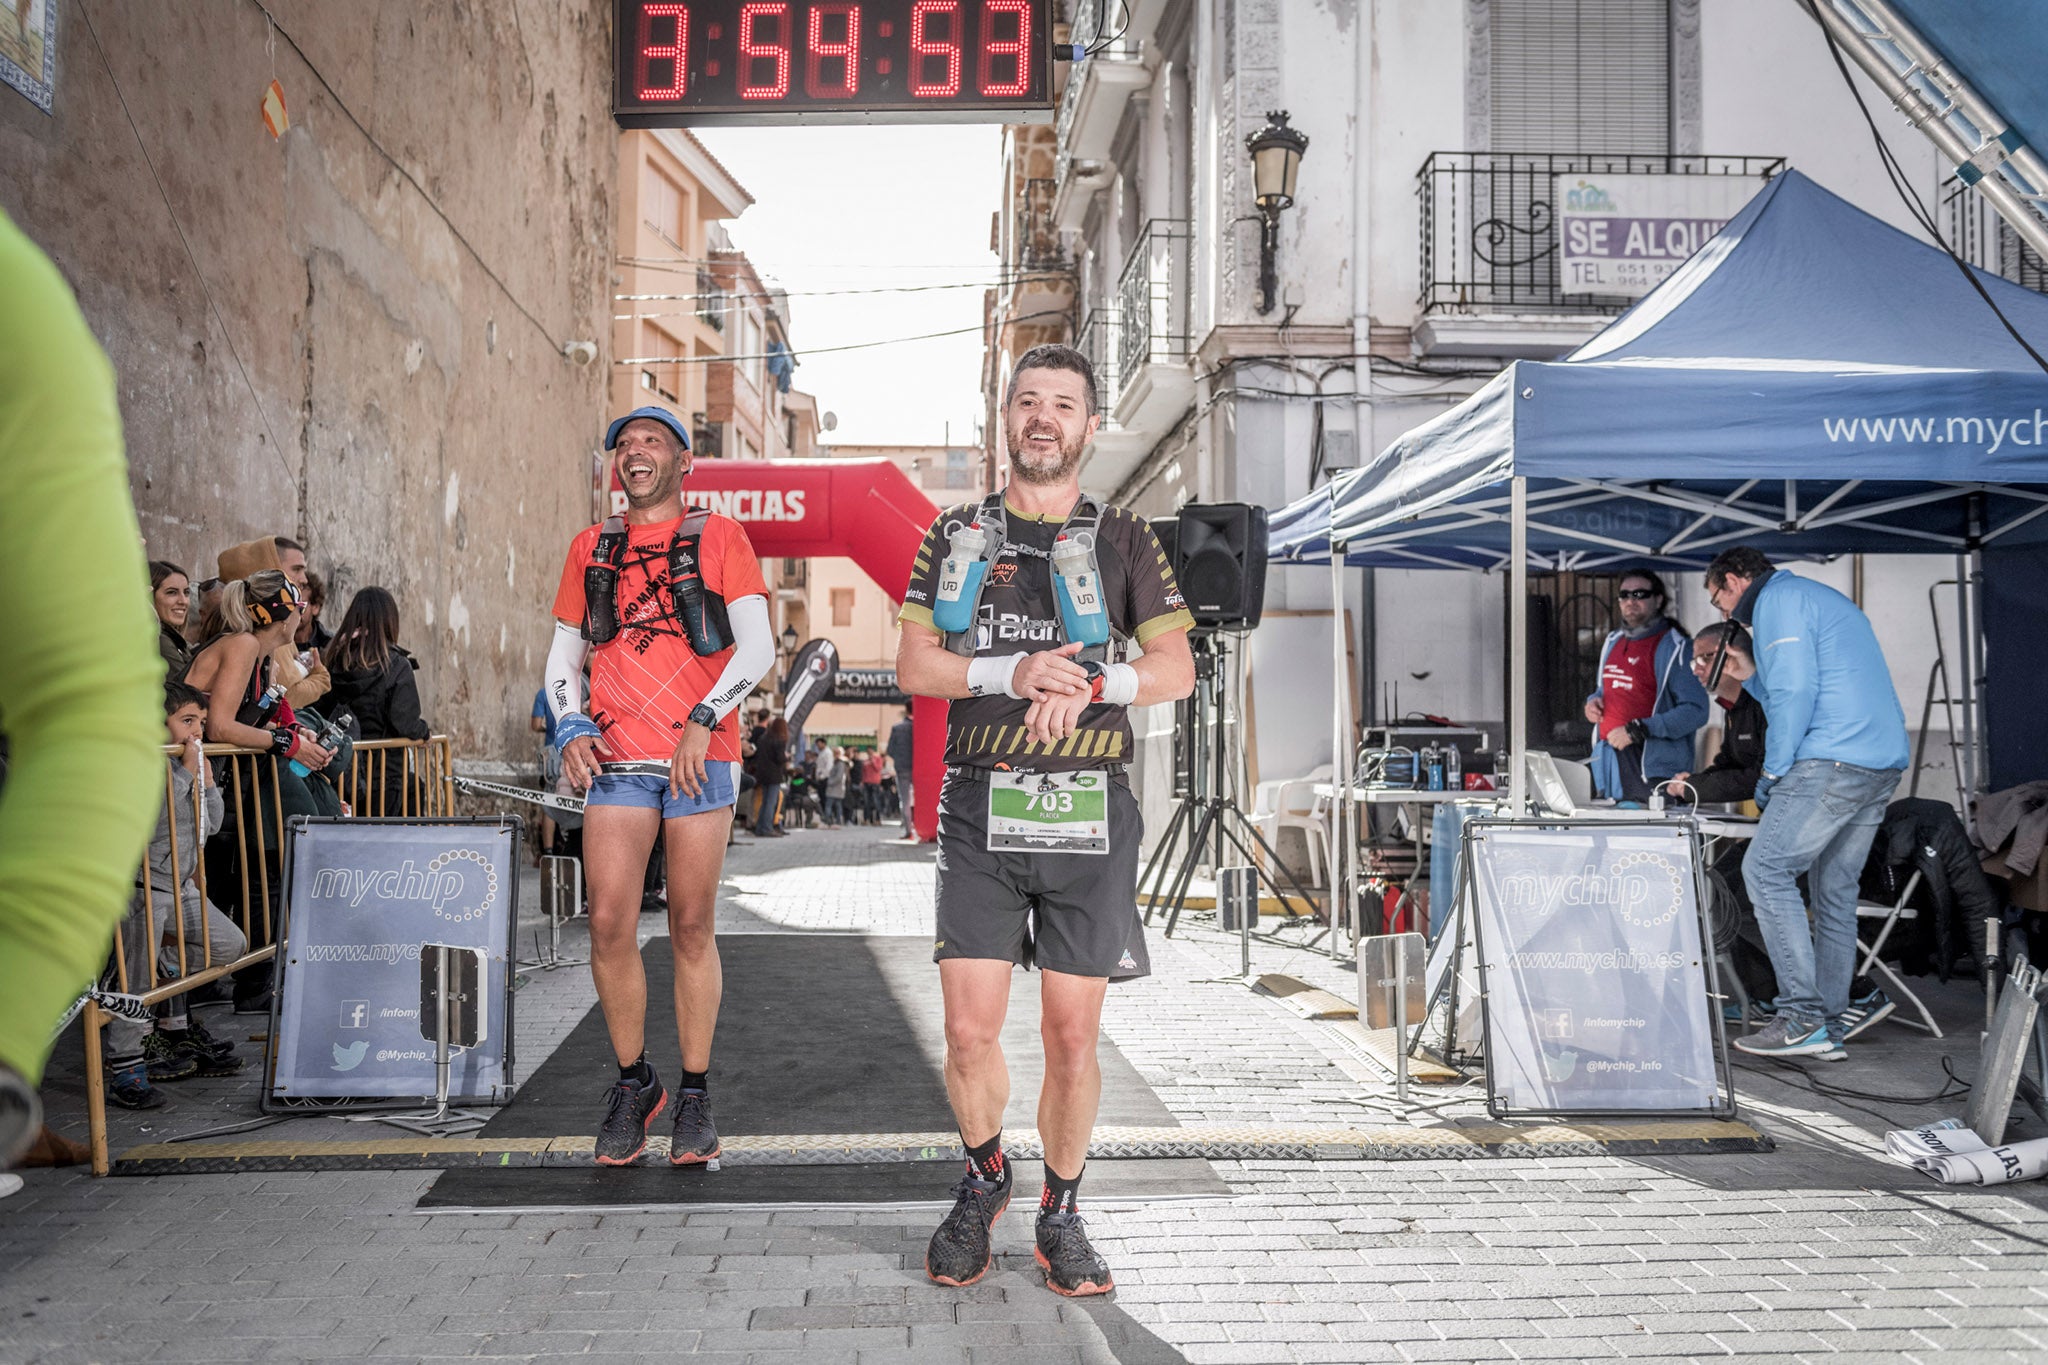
700	611
993	519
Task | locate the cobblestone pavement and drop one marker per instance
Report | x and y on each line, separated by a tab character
1820	1250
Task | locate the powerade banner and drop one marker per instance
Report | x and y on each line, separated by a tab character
809	680
868	685
361	898
1596	988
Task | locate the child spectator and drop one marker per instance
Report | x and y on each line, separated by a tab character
178	1045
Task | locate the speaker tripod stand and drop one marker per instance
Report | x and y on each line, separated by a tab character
1206	810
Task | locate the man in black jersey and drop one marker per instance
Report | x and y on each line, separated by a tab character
1038	829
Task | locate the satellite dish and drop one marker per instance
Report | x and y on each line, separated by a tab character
829	422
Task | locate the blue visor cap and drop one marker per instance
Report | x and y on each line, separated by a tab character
661	415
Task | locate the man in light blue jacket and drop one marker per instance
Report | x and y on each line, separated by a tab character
1648	704
1834	747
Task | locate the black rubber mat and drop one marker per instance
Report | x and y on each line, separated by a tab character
818	1034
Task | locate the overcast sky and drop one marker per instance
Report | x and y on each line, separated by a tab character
881	208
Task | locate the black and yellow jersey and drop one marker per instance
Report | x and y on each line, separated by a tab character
1020	615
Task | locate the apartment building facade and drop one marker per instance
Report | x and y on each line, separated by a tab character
1419	255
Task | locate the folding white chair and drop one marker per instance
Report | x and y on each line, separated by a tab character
1873	965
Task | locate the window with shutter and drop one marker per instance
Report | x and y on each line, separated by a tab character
1581	76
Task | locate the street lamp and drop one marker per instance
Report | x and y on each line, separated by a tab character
1276	156
789	639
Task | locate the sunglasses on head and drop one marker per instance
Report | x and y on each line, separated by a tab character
1638	594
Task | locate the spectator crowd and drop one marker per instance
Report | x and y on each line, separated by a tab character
249	665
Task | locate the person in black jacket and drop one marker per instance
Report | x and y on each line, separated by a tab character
1732	776
373	678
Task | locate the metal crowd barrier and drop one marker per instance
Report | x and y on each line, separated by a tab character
419	774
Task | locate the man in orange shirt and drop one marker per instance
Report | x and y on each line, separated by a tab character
676	611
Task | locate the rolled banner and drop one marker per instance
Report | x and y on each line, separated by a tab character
809	680
1945	1138
1993	1166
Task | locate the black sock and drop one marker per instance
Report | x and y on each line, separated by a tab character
985	1161
699	1081
638	1071
1061	1194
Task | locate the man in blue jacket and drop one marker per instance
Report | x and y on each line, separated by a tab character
1648	703
1834	747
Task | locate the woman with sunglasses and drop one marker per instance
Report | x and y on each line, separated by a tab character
1648	704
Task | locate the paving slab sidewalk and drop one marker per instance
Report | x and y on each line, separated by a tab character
1818	1250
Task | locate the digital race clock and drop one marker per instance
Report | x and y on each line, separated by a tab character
688	62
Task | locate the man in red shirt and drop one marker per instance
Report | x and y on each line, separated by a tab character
1648	703
676	612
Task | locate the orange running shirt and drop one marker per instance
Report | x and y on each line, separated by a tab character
644	681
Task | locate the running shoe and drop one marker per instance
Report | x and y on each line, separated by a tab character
960	1252
166	1060
630	1109
1072	1266
1874	1008
695	1140
129	1087
1785	1036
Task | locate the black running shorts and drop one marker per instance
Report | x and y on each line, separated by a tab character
1063	912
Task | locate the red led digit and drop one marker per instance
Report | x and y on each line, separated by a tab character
752	51
923	49
849	49
1016	48
651	51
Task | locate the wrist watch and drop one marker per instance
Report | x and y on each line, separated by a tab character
1638	731
703	715
1096	674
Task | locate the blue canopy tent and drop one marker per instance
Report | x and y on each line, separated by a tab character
1812	382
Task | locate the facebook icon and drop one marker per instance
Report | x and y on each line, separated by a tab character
355	1014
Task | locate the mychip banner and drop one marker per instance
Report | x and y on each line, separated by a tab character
361	898
1596	989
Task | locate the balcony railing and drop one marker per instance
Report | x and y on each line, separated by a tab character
1152	297
707	438
711	300
1037	239
1489	229
1101	340
1085	33
1977	233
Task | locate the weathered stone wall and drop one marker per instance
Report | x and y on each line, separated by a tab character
351	334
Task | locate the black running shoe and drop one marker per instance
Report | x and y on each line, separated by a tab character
695	1140
960	1253
204	1042
1070	1263
166	1060
630	1109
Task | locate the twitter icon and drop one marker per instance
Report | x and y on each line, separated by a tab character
350	1057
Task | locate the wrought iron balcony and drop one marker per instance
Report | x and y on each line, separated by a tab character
1101	340
1153	297
1977	233
1489	226
711	300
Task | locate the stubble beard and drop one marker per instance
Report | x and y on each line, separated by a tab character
668	481
1026	472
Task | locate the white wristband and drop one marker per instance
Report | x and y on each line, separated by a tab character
1119	684
986	677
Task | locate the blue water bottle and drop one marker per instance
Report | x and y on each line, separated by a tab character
960	580
1079	589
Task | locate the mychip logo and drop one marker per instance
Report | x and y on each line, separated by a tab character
459	885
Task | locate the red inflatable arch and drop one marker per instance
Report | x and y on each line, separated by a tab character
867	511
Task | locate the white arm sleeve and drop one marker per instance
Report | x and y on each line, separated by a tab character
752	656
565	671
